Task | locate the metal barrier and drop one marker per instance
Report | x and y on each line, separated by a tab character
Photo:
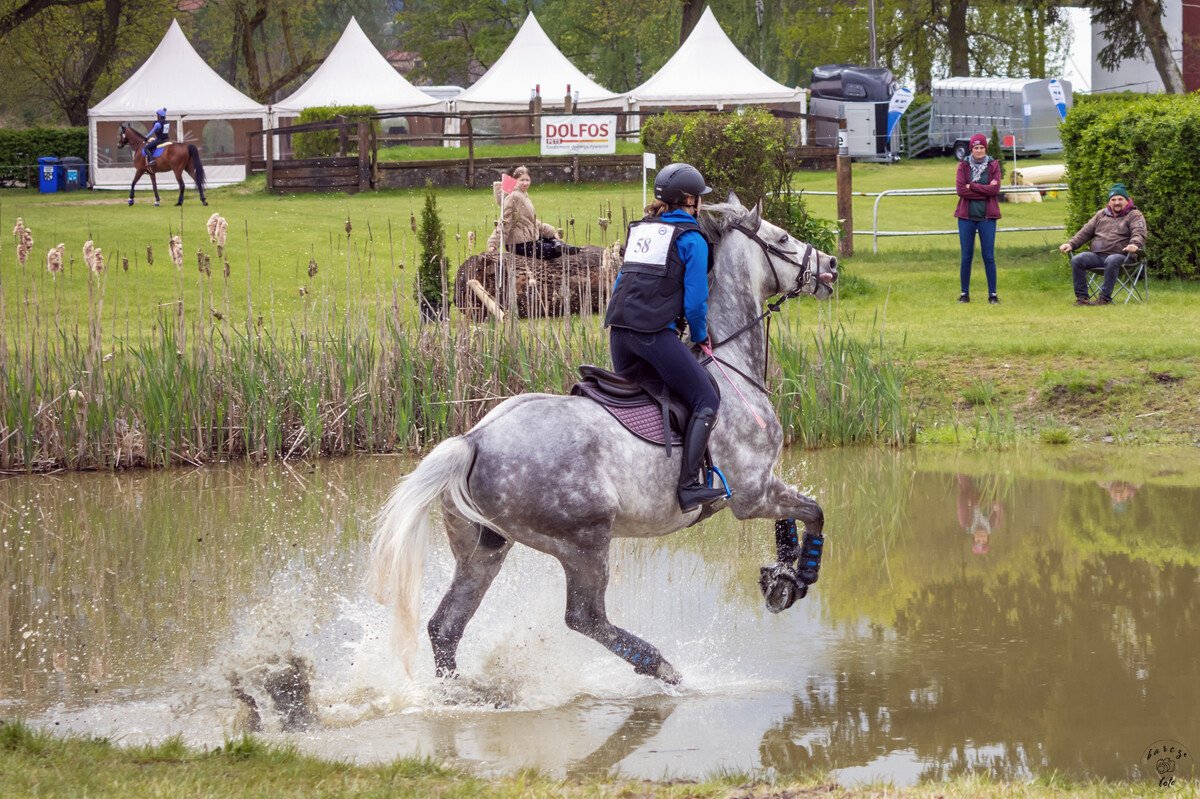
875	232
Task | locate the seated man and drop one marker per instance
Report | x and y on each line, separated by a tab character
1116	231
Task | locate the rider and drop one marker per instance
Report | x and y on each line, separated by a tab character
664	282
159	134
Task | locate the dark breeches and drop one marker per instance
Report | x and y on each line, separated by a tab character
670	359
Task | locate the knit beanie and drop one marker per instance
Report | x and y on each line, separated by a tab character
1118	188
979	138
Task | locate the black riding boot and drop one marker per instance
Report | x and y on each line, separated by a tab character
692	492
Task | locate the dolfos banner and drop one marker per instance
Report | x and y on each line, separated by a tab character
579	135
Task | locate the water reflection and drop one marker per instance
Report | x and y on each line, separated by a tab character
1018	613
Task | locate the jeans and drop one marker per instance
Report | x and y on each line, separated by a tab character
670	358
1081	263
543	248
987	243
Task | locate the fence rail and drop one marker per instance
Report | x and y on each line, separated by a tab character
876	233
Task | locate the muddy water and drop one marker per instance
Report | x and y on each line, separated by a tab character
1022	613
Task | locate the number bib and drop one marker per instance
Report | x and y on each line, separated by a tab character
649	243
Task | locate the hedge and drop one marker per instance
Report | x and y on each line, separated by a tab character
1149	143
19	148
746	153
735	152
318	143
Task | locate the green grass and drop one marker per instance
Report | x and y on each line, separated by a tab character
514	151
36	764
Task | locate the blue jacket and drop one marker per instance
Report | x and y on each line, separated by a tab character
692	249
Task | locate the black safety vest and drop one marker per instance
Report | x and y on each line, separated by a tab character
649	295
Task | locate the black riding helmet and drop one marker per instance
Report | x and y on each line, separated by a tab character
677	182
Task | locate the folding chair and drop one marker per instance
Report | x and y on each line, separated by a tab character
1132	279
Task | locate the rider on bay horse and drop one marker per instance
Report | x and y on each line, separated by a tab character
664	282
159	134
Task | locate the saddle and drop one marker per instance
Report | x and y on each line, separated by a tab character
640	401
160	149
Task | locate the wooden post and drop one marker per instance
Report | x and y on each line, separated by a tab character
364	155
845	199
249	154
342	136
574	169
374	157
270	156
466	123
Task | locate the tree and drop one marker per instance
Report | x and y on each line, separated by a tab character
14	15
431	270
457	38
72	53
1130	28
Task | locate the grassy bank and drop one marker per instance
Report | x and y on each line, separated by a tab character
34	764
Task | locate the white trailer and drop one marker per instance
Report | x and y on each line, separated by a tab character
1023	108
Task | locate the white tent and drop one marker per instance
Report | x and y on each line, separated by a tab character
709	70
355	73
201	107
530	61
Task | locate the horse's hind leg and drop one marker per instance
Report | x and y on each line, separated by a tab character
179	177
479	553
587	581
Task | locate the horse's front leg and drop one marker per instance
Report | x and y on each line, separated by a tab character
137	175
798	559
154	184
586	567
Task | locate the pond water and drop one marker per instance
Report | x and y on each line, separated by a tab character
1019	613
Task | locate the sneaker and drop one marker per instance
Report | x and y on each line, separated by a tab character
1082	301
1101	300
964	297
993	299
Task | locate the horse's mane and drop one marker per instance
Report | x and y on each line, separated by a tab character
717	218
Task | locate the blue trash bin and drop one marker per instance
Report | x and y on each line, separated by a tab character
49	174
74	174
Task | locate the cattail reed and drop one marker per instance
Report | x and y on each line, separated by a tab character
24	238
54	259
176	246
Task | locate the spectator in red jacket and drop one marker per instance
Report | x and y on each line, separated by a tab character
978	209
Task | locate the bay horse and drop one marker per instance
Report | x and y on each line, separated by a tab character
559	474
175	158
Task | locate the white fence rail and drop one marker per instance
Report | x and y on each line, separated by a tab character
875	233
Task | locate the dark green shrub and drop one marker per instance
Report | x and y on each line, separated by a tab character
735	152
19	148
745	153
1150	144
321	143
433	258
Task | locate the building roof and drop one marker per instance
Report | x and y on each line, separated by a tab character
530	61
355	73
708	69
177	77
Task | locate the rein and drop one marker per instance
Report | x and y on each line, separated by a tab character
772	306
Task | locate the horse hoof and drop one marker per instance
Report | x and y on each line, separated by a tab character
129	202
155	203
667	673
204	202
779	587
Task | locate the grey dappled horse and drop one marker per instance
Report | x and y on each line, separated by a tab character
560	475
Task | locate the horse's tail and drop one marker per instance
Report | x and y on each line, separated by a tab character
402	533
194	155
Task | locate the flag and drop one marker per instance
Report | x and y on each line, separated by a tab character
507	183
896	108
1059	97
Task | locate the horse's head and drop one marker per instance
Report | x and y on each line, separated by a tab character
123	138
785	264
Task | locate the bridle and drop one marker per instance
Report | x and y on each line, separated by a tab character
808	267
808	277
